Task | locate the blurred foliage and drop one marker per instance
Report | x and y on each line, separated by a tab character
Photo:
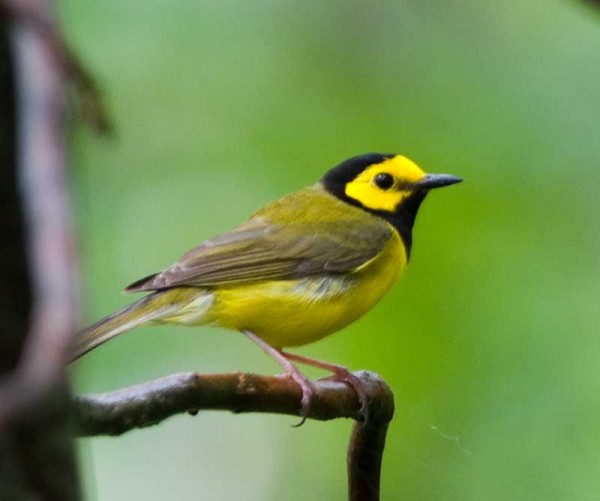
490	341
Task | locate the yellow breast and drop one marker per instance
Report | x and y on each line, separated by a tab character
301	311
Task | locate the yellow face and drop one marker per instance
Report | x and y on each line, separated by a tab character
385	185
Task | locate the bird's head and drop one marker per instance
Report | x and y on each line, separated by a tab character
382	182
389	185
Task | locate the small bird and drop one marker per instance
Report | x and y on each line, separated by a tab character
301	268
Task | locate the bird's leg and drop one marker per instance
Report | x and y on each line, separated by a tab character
281	358
340	373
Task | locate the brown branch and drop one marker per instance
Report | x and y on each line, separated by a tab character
150	403
44	65
41	153
365	452
36	446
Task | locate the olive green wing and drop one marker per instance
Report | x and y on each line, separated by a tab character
262	250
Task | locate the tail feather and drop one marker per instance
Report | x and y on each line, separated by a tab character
141	312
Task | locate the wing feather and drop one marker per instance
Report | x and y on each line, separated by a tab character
265	250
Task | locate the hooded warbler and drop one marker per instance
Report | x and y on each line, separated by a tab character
299	269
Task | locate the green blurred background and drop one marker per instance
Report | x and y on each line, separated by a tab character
490	342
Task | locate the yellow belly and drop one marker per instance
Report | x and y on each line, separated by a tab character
297	312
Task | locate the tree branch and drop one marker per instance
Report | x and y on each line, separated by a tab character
365	454
37	457
42	167
150	403
44	65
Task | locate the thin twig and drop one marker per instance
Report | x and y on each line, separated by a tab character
36	14
150	403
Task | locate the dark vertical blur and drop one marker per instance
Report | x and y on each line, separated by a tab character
14	286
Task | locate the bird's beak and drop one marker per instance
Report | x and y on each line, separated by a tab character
431	181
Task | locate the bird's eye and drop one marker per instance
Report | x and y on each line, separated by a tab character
384	181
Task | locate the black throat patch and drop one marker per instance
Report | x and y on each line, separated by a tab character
403	219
